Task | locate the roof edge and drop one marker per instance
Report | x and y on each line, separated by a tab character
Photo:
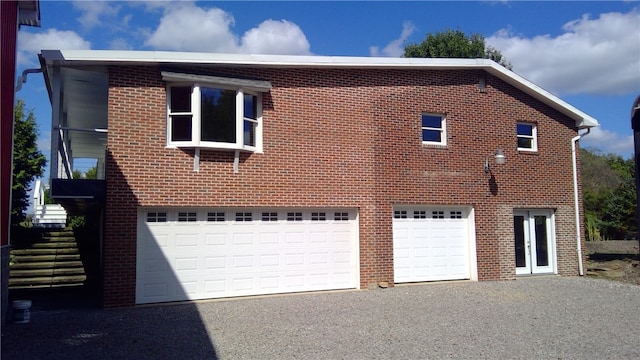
123	57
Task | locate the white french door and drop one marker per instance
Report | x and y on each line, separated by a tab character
534	242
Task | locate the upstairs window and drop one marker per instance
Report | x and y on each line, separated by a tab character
527	137
434	129
214	112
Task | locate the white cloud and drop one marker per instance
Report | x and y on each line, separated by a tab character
93	11
190	28
276	37
186	27
30	44
396	47
120	44
594	56
609	142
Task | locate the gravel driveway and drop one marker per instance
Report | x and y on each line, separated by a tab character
531	318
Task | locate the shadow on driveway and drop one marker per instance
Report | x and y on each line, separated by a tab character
160	332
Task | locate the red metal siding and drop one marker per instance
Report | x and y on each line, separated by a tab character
8	39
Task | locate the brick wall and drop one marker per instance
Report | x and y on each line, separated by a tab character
345	138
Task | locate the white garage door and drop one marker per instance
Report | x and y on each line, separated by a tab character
188	254
431	244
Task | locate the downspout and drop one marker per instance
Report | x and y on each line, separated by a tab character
576	199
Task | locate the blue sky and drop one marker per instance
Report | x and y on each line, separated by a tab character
587	53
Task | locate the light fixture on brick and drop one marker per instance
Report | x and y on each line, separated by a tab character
499	156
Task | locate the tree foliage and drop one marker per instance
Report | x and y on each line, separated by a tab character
28	161
455	44
609	195
91	173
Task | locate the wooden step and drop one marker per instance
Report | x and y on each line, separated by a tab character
47	280
54	239
46	264
45	251
45	258
25	273
53	245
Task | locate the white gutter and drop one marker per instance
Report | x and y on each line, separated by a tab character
576	199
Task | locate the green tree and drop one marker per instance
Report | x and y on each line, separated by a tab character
455	44
28	161
608	189
91	173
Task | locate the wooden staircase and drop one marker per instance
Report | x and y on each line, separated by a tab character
46	258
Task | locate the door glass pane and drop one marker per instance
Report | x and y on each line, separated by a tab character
518	226
218	115
542	251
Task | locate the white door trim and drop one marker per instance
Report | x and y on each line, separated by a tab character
529	232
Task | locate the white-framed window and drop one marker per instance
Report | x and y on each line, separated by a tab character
527	136
434	129
214	112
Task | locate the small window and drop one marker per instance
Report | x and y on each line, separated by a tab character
420	214
341	216
318	216
187	217
437	214
244	216
156	217
215	216
527	137
269	216
434	129
291	216
400	214
456	214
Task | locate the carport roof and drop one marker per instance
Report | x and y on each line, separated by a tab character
72	58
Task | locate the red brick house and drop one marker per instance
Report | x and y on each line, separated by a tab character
233	175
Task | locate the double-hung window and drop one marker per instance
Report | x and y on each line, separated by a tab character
214	112
434	130
527	134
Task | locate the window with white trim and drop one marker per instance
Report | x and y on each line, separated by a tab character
214	112
434	129
527	136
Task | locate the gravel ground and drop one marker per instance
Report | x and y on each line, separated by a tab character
530	318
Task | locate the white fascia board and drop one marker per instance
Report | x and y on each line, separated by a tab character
114	57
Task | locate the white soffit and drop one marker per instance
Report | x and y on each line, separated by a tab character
255	85
118	57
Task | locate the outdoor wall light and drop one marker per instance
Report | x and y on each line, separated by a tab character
499	156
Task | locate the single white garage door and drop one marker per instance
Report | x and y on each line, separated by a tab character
188	254
431	244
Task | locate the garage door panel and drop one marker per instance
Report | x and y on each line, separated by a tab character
209	259
430	244
215	239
